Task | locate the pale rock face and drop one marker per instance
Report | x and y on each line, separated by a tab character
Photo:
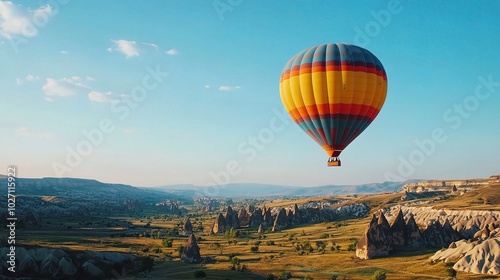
219	224
375	241
480	257
91	270
261	229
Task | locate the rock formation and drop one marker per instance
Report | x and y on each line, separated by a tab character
310	212
231	218
412	233
191	251
281	220
260	230
482	257
296	216
219	224
373	243
226	221
398	229
267	218
256	218
187	228
48	263
379	238
244	217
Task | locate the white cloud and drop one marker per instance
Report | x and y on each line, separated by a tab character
101	97
207	86
17	20
88	78
28	78
25	132
229	88
172	52
64	86
131	48
128	48
64	52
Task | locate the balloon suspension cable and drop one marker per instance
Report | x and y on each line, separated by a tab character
333	161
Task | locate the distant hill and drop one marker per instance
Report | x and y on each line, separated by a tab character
263	190
95	190
79	188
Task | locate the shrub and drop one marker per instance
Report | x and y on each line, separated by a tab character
270	276
379	275
285	275
167	242
254	249
352	246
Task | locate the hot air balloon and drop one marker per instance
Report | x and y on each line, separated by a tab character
333	92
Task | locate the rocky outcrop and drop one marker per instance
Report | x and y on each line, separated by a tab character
445	185
48	263
219	224
256	218
244	217
226	221
465	223
481	257
187	228
261	229
311	212
374	241
231	218
398	229
191	251
413	236
91	270
296	216
281	220
379	238
267	218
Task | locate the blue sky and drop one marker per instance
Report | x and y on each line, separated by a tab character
169	92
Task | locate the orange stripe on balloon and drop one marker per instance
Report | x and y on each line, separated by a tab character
306	112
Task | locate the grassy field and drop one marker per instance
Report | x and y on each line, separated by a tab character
317	251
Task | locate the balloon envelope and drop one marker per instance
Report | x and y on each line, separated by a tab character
333	92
